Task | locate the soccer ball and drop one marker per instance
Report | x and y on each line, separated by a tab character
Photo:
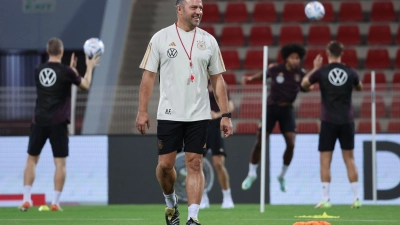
314	10
93	47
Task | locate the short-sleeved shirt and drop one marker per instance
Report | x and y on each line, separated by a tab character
285	84
183	99
53	87
336	83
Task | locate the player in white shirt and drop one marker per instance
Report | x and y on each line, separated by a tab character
184	56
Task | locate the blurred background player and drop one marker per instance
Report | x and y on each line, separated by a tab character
215	143
336	82
285	85
52	115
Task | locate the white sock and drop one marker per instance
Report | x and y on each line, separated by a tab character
284	169
325	191
253	170
56	198
193	211
170	200
27	193
227	194
354	188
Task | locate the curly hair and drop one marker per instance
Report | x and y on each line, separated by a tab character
292	48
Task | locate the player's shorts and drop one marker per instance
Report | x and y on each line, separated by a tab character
282	114
173	135
214	138
57	134
330	132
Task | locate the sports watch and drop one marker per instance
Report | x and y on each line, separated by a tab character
229	115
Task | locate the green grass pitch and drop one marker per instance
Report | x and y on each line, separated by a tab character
242	214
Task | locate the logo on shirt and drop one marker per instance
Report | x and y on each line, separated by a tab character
168	111
201	45
172	44
297	77
172	53
280	78
47	77
337	77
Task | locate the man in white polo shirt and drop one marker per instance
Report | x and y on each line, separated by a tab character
184	56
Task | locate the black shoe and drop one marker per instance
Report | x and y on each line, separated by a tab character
172	214
193	222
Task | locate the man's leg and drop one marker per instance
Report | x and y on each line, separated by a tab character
348	157
223	178
325	170
287	157
29	178
194	182
59	181
166	175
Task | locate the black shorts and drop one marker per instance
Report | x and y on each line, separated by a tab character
173	135
330	132
214	138
282	114
57	134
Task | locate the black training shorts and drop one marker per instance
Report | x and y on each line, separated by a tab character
282	114
57	134
173	135
330	132
214	138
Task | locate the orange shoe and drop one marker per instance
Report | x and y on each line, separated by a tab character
55	207
24	207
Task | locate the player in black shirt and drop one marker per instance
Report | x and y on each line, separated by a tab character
52	115
285	85
337	82
215	143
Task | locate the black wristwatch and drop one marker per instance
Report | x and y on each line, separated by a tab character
229	115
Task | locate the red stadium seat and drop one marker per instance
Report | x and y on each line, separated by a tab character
252	86
231	59
319	35
212	15
377	59
264	12
260	35
349	34
398	35
395	107
310	107
329	13
380	81
396	82
310	56
279	58
250	107
350	11
366	127
246	128
366	107
236	12
379	35
382	11
230	78
210	30
293	12
350	58
254	59
291	34
232	36
397	60
393	127
307	127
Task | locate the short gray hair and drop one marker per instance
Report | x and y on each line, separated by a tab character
178	2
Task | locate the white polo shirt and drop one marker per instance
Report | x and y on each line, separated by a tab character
182	98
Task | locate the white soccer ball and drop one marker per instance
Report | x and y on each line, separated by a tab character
93	47
314	10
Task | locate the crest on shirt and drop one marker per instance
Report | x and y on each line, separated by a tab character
172	53
201	45
47	77
280	78
337	76
297	77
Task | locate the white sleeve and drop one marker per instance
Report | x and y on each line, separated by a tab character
216	64
151	59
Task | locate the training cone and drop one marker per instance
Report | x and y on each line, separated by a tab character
44	208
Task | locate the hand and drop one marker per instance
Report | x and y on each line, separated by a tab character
215	115
272	65
318	61
246	79
226	126
141	120
74	61
93	62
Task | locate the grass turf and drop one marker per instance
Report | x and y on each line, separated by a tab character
242	214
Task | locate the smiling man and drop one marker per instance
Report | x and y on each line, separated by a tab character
185	56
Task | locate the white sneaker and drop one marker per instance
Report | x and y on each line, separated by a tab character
227	204
246	185
205	202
